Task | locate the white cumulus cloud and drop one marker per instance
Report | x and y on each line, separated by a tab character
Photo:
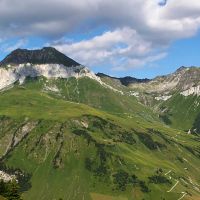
137	30
119	47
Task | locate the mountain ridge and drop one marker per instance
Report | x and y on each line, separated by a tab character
125	80
49	62
133	80
50	55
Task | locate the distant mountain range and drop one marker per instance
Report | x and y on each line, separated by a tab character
125	80
67	133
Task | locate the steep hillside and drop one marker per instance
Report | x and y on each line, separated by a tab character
196	124
72	151
181	112
182	105
89	91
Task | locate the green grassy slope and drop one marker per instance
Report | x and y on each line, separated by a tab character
90	92
181	111
73	151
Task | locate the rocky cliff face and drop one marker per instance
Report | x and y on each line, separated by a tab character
46	62
12	74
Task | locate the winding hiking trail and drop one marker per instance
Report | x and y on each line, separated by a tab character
173	186
184	193
168	172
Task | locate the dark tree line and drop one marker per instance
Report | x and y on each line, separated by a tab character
10	190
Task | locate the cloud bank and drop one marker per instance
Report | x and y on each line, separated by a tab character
138	32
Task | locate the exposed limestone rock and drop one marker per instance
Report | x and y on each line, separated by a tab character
163	98
22	132
6	177
182	80
192	91
12	74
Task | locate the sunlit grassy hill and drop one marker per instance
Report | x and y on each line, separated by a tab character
79	140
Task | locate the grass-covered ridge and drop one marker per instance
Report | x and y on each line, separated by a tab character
92	93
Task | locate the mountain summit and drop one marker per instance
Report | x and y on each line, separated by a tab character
46	62
46	55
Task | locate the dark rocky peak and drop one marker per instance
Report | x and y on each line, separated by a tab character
46	55
131	80
102	75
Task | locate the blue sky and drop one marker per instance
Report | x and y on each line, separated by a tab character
131	37
184	52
